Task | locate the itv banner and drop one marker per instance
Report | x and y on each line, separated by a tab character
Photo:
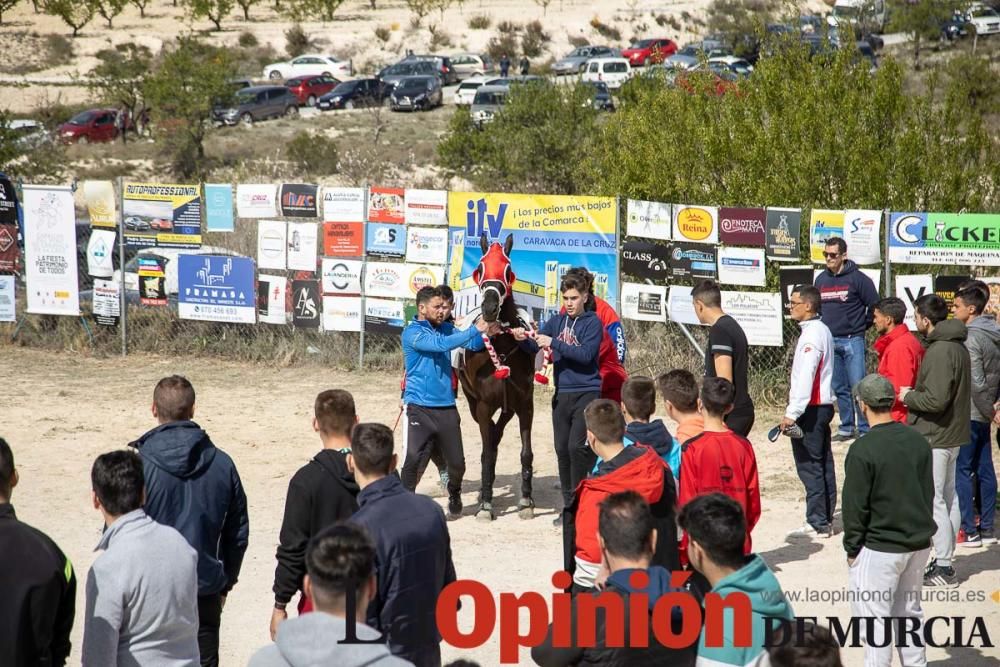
945	238
551	234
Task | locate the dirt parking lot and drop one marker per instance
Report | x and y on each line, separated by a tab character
60	411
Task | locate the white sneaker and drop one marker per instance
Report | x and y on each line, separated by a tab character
807	532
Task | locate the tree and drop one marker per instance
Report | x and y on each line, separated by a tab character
544	4
120	76
737	21
141	4
245	5
921	20
5	5
28	160
420	9
213	10
109	9
74	13
191	79
305	9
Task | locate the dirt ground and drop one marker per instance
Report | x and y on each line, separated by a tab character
61	411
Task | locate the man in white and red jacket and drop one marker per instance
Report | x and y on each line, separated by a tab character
810	408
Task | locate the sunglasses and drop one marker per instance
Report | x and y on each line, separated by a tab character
831	255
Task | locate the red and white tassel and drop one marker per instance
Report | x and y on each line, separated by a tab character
540	376
502	372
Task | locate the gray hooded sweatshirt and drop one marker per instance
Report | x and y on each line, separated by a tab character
983	343
312	640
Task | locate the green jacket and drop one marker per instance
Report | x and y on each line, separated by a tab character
940	401
888	491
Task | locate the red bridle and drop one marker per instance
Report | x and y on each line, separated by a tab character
495	267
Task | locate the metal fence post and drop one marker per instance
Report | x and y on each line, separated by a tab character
889	291
618	252
122	301
364	267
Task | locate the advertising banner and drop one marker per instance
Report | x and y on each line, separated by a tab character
648	219
162	215
216	288
862	231
8	202
955	239
256	200
427	245
9	252
100	249
946	286
644	302
219	207
7	299
823	224
394	280
679	305
298	200
742	266
152	281
344	239
385	239
271	292
99	198
790	277
384	316
343	204
302	246
911	288
341	276
783	225
271	244
549	231
386	205
426	207
697	224
993	306
50	251
306	304
342	313
107	302
759	315
742	226
646	260
693	261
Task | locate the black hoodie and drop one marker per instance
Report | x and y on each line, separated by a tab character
321	493
193	486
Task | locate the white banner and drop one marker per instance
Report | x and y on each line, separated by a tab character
648	219
302	246
911	288
7	300
862	231
343	204
100	251
758	313
699	224
392	280
644	302
256	201
427	245
271	299
107	302
422	275
679	305
426	207
742	266
271	244
50	250
342	313
341	276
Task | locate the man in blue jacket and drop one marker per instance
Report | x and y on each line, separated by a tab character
194	487
412	549
431	415
849	298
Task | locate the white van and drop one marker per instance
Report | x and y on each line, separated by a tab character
872	14
612	71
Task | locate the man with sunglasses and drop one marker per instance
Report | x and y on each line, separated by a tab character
849	298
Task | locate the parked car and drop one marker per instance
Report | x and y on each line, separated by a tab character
472	64
90	125
574	61
441	63
681	61
985	20
507	82
707	48
954	27
466	92
601	99
257	103
871	15
308	89
27	133
238	84
391	75
612	71
137	224
416	93
487	103
649	51
354	93
738	66
312	63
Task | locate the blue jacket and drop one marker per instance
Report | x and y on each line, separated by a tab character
193	486
656	435
426	355
849	300
412	562
575	347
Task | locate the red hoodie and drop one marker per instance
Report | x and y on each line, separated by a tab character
899	356
612	354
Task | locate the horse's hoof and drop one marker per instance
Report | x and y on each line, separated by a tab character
526	513
485	512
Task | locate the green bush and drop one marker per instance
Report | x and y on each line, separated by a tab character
480	21
534	39
605	30
297	41
247	40
313	153
383	34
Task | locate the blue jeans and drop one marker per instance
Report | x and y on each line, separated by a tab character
848	370
976	457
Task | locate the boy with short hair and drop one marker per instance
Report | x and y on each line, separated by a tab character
638	405
680	395
322	492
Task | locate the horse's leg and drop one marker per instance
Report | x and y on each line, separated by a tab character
488	461
525	416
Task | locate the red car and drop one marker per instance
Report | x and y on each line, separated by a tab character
90	125
308	89
648	51
161	224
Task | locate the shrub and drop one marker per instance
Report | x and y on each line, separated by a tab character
383	34
534	39
313	153
500	44
480	21
297	41
439	38
578	40
508	27
60	49
247	40
605	30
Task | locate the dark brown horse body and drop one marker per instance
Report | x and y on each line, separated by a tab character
486	394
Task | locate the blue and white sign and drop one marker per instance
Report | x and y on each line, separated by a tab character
219	207
384	239
100	247
216	288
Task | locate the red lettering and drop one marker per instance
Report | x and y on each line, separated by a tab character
562	633
614	619
511	638
484	613
663	627
638	610
715	607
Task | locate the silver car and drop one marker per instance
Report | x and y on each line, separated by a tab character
573	62
488	101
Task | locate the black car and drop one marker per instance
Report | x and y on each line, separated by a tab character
355	93
443	63
416	93
602	96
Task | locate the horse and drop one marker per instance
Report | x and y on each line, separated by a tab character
489	388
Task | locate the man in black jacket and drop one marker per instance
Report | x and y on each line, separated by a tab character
412	549
627	539
194	487
37	586
321	493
